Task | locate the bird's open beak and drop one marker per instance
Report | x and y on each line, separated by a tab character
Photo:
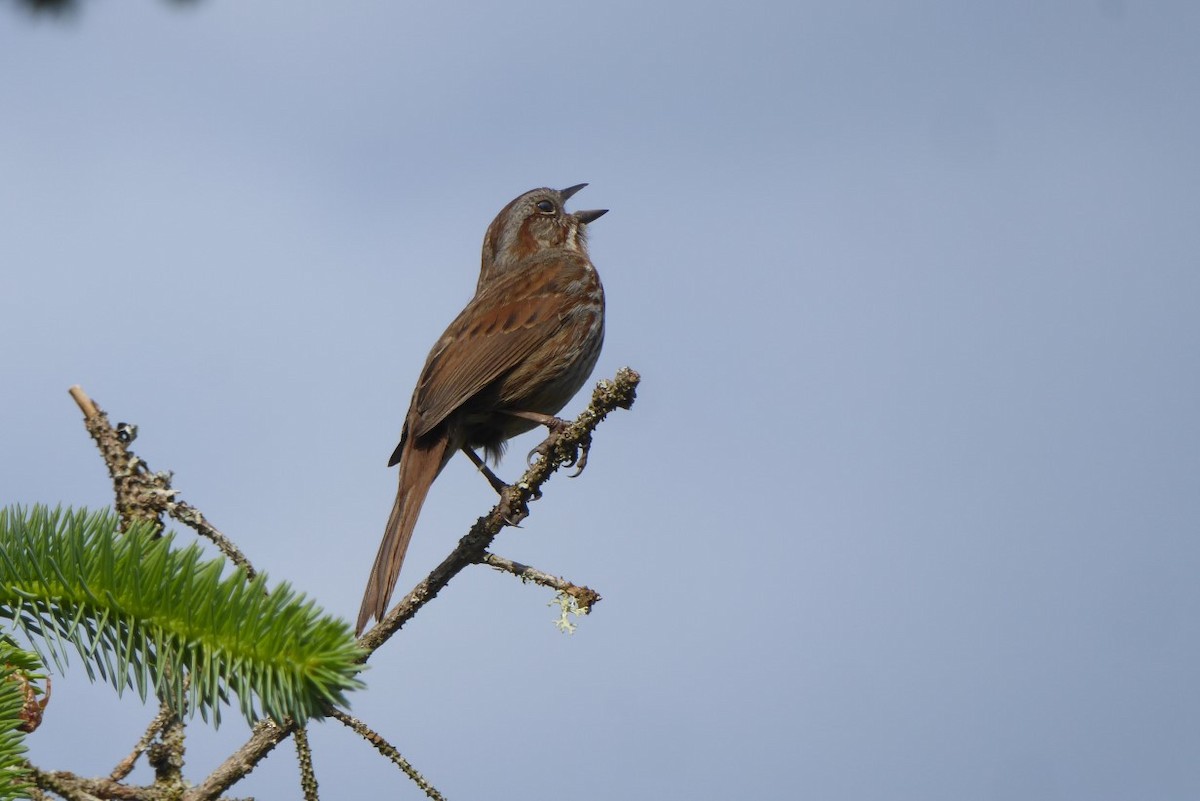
590	215
570	190
584	217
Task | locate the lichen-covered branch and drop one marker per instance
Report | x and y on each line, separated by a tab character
265	735
585	597
390	751
561	448
308	776
126	765
74	788
141	494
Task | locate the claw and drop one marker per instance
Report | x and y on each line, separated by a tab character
543	452
519	513
578	456
580	461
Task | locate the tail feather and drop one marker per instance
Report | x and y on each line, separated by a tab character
419	466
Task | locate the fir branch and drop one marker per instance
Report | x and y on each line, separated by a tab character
144	613
17	668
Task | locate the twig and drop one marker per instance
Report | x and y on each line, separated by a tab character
133	484
265	735
308	777
142	495
73	788
190	516
585	597
166	756
126	765
388	750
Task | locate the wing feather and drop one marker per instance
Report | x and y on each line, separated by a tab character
495	333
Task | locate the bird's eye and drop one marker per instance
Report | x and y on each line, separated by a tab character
546	206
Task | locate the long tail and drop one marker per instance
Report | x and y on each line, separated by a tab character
419	466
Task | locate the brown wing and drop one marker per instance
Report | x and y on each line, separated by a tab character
497	330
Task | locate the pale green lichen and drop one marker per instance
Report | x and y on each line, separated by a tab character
567	606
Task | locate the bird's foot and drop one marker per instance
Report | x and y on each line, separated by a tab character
578	455
516	509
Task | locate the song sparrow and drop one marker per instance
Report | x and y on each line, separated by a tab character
512	359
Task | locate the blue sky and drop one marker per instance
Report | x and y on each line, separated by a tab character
908	505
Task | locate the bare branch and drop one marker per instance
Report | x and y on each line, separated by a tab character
308	777
585	597
263	738
166	756
126	765
73	788
389	751
142	495
190	516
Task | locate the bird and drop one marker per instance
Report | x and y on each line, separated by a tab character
511	360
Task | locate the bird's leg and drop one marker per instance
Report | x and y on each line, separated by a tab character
497	484
556	425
